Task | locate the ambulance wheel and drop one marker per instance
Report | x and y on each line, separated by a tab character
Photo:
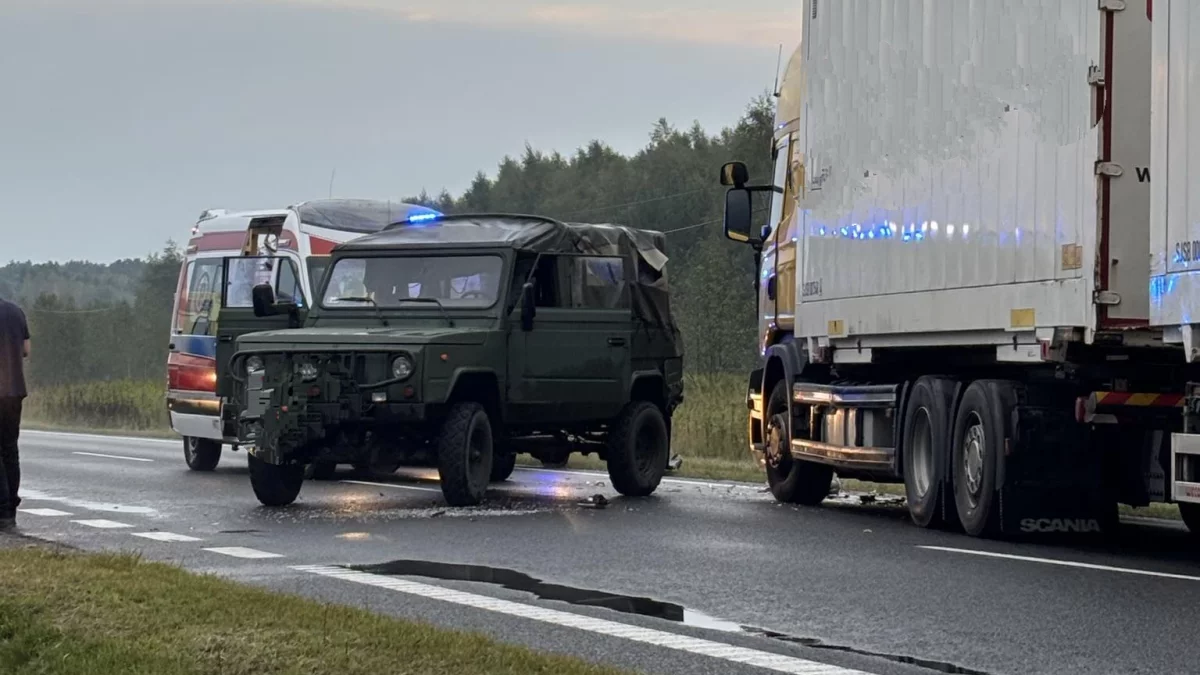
201	454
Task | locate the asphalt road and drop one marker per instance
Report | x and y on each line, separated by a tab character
702	578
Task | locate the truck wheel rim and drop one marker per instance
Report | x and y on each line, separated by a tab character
922	452
777	455
974	453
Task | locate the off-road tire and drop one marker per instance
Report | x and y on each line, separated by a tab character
926	446
321	471
201	454
504	463
1191	516
465	454
792	481
638	449
275	485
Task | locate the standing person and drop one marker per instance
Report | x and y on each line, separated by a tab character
14	349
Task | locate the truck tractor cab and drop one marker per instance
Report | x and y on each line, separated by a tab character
460	342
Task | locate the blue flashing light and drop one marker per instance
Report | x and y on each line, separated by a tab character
420	218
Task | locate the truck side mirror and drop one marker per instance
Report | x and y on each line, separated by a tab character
738	216
263	297
735	174
528	306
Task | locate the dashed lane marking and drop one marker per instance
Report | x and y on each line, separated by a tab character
1063	563
48	513
240	552
393	485
99	454
101	524
166	536
752	657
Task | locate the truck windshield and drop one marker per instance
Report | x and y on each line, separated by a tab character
472	282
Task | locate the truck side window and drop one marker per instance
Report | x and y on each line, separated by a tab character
545	282
288	286
598	283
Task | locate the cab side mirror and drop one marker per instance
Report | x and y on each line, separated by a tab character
528	306
738	216
263	297
735	174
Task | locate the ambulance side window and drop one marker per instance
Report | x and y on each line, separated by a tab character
199	304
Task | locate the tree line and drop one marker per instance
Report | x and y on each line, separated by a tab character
97	322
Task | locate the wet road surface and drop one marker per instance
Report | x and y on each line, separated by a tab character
704	577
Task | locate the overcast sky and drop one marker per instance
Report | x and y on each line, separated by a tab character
121	120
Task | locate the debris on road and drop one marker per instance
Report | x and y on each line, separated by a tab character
595	502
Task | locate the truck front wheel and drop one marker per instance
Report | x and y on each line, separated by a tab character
201	454
273	484
638	449
465	455
792	481
1191	516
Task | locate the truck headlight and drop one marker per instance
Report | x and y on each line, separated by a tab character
307	371
402	367
254	365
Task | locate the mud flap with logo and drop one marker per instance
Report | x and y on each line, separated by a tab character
1051	481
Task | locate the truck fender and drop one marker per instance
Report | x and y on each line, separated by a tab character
785	360
477	384
649	385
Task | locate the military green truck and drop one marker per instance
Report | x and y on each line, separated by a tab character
460	342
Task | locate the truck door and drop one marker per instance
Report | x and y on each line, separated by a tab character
241	275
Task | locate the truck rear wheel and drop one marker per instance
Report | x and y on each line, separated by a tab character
201	454
638	449
465	455
792	481
979	432
925	440
273	484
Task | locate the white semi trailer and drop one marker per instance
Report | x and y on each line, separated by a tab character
960	287
1175	220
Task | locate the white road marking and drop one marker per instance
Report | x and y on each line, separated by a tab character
1063	563
391	485
165	536
97	454
240	552
718	650
38	495
98	437
102	524
49	513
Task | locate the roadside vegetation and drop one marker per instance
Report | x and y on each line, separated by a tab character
67	613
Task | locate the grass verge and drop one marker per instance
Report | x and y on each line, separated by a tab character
67	613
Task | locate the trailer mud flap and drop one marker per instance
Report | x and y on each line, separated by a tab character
1052	483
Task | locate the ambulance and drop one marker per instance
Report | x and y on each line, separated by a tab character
287	248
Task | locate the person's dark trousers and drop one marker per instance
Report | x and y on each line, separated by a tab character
10	466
